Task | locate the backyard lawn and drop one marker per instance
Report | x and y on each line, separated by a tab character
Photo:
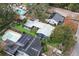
53	43
22	29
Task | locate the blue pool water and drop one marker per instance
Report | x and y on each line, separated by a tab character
21	11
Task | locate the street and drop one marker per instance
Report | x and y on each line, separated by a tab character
75	51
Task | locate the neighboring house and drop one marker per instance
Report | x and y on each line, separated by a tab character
55	19
21	11
64	12
21	44
43	28
11	35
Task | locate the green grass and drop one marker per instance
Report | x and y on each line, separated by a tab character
22	29
53	43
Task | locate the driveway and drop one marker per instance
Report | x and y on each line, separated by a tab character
76	47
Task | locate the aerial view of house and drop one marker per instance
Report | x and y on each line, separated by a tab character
35	29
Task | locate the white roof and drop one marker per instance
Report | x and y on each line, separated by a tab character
11	35
46	31
22	17
44	28
52	21
29	23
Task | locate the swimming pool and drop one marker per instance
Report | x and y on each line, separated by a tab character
11	35
20	11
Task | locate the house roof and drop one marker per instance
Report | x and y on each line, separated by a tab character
35	48
46	31
24	40
57	17
11	47
64	12
26	45
44	28
41	35
11	35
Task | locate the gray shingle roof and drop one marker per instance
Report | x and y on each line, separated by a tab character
35	48
57	17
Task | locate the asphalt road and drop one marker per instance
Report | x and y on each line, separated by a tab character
75	51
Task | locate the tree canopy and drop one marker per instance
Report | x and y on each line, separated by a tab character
39	11
63	35
69	6
6	15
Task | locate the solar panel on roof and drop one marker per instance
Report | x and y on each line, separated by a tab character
31	52
24	39
20	40
35	48
36	44
31	38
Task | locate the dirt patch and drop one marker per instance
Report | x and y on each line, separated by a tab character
50	50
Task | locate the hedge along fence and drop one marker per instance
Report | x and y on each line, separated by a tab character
3	28
68	21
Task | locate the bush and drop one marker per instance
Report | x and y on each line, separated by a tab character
63	35
44	44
